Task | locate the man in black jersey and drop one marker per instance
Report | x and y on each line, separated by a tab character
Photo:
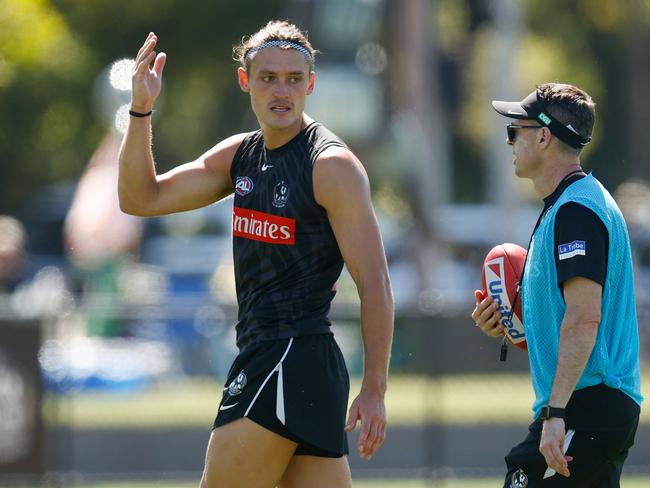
578	303
301	209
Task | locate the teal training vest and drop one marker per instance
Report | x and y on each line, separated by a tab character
614	360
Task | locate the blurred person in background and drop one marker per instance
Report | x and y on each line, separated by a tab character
100	239
633	197
13	269
578	302
301	209
13	262
31	291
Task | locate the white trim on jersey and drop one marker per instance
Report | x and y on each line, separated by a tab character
279	402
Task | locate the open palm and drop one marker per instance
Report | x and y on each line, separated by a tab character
147	81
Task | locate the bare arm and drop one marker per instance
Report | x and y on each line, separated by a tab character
577	338
341	187
188	186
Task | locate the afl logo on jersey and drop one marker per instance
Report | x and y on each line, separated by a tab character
280	195
243	185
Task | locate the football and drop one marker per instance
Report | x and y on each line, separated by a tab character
502	271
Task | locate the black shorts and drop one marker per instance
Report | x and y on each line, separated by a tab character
297	388
598	451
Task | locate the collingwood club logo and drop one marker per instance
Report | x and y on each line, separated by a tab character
238	384
280	195
519	479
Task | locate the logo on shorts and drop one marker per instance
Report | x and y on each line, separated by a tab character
280	195
519	479
243	185
238	384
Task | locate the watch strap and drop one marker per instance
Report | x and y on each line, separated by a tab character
552	412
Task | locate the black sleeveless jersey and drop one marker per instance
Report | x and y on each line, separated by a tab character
286	257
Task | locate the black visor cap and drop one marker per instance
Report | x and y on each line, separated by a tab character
531	108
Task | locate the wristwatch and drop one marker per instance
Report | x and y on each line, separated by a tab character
548	412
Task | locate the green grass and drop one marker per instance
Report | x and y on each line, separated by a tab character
411	400
627	482
357	484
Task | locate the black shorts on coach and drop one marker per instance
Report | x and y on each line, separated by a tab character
604	423
296	387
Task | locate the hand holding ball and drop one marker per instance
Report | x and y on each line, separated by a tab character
502	270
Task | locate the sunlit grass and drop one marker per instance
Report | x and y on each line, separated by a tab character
357	484
191	403
626	482
410	400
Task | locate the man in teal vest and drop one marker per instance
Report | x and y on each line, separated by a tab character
578	303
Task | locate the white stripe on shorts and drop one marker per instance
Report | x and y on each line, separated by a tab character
279	398
279	402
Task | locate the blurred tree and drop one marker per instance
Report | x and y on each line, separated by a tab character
423	145
595	45
42	68
51	52
598	46
637	105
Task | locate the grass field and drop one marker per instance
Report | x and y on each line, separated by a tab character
411	400
631	482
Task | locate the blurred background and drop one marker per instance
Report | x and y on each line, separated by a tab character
116	332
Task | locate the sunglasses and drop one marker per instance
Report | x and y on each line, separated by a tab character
512	133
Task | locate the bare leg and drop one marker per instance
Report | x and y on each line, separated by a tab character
243	454
317	472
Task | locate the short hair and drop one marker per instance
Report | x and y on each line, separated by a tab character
279	30
571	106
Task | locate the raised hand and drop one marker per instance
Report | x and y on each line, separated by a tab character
147	81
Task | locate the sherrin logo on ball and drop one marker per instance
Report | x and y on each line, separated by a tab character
501	275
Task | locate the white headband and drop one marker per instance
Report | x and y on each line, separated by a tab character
280	43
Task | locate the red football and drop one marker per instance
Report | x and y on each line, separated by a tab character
502	270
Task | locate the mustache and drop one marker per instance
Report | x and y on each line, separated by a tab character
285	103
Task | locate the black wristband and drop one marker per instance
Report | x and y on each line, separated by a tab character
552	412
140	114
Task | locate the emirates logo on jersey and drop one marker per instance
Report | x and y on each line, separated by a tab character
263	227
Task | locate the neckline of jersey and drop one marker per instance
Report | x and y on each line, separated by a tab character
563	185
290	142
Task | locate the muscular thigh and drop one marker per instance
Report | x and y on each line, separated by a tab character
242	454
317	472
